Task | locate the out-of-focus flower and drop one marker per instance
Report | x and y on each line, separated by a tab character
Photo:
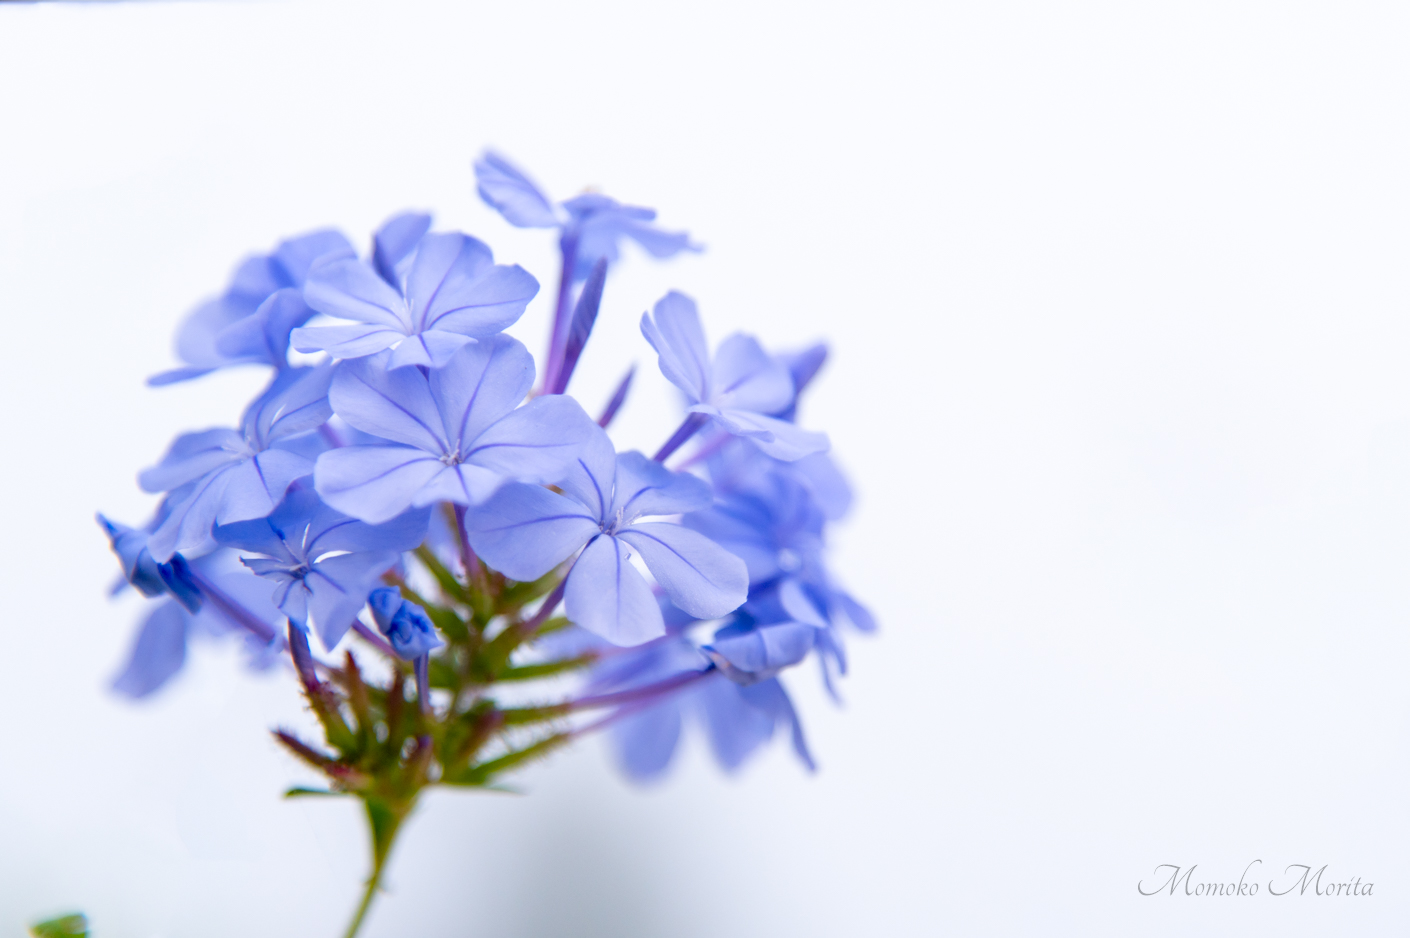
250	323
738	389
592	226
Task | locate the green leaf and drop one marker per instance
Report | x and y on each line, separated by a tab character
299	792
66	926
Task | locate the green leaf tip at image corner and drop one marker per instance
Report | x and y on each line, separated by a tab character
65	926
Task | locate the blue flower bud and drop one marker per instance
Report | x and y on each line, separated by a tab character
405	624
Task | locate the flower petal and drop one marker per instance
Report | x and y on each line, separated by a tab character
535	443
373	483
748	378
607	596
679	341
348	340
507	190
699	575
433	349
350	289
777	438
481	383
645	487
524	531
338	589
158	653
394	404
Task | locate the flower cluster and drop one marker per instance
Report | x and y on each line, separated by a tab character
414	479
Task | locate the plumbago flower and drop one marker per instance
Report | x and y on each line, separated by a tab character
223	475
738	389
525	531
324	564
250	322
412	477
454	433
450	294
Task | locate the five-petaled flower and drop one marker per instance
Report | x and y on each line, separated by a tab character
527	530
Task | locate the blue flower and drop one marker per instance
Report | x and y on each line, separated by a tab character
250	323
738	718
223	475
739	389
454	433
159	651
138	567
323	562
524	531
592	226
406	625
423	295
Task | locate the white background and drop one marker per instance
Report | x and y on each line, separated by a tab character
1118	300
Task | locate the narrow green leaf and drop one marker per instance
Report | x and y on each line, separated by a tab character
298	792
530	672
66	926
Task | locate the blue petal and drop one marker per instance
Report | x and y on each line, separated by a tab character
775	437
591	475
524	531
193	456
481	383
433	349
827	483
455	286
374	483
394	404
138	567
295	402
297	256
736	728
645	487
264	336
699	575
158	653
607	596
747	378
394	242
762	652
646	741
350	289
679	341
339	588
506	189
352	340
252	488
537	442
770	697
465	484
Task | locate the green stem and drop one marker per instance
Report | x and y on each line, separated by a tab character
373	884
383	822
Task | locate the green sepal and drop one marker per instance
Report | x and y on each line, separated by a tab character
447	580
478	776
65	926
515	596
530	672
